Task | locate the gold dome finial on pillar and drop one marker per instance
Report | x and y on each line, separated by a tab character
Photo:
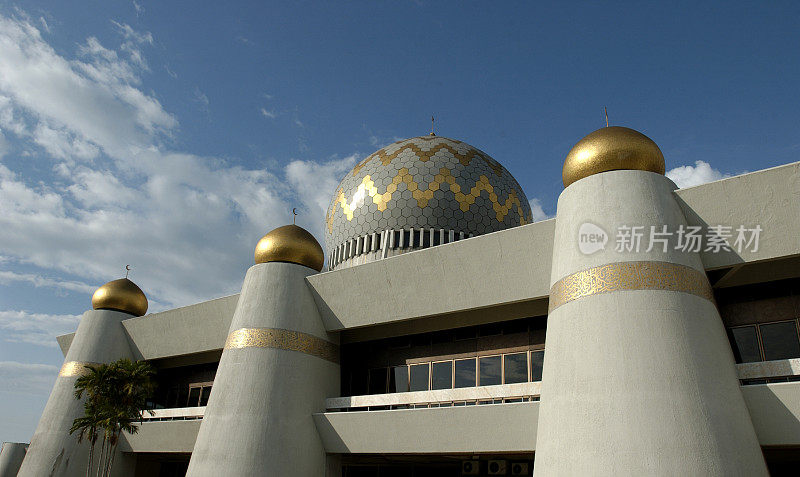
121	295
292	244
612	148
432	120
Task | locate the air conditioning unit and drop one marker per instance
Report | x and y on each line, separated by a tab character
470	467
497	467
519	468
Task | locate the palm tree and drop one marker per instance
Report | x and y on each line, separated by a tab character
116	393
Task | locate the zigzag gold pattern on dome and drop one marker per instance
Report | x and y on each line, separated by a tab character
425	156
465	201
630	276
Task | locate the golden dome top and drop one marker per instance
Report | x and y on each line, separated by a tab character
609	149
120	295
292	244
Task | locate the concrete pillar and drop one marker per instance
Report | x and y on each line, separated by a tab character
278	366
53	452
639	377
11	455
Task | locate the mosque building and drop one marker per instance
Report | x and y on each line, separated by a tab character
646	330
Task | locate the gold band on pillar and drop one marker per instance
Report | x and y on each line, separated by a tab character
75	368
630	276
283	339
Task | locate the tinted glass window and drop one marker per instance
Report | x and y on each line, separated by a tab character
515	367
465	373
745	344
489	370
377	381
780	340
442	375
466	333
537	361
204	395
358	385
490	329
194	397
419	377
398	379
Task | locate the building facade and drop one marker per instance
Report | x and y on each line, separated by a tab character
645	330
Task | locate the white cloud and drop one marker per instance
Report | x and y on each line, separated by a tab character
700	173
35	328
139	8
201	98
537	211
7	277
133	40
268	113
27	378
4	146
187	224
316	183
59	143
95	99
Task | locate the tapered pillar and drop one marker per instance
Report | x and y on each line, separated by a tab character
278	366
11	455
639	377
99	339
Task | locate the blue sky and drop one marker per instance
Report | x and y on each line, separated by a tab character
171	135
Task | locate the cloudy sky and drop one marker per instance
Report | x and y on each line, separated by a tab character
173	136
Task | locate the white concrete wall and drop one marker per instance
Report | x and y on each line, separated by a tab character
162	437
258	418
11	455
53	452
486	428
637	382
775	410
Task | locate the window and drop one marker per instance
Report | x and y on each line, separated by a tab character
377	380
465	373
466	333
198	394
205	393
194	397
419	377
491	329
745	344
489	370
537	363
442	375
398	379
515	368
780	340
358	385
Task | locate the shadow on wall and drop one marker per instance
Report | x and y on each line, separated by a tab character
692	218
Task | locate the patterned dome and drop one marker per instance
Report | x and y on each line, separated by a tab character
417	193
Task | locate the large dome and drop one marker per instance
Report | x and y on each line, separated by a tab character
418	193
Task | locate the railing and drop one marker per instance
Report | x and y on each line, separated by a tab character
761	370
174	414
438	398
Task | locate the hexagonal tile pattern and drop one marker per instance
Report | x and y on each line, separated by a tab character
428	181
